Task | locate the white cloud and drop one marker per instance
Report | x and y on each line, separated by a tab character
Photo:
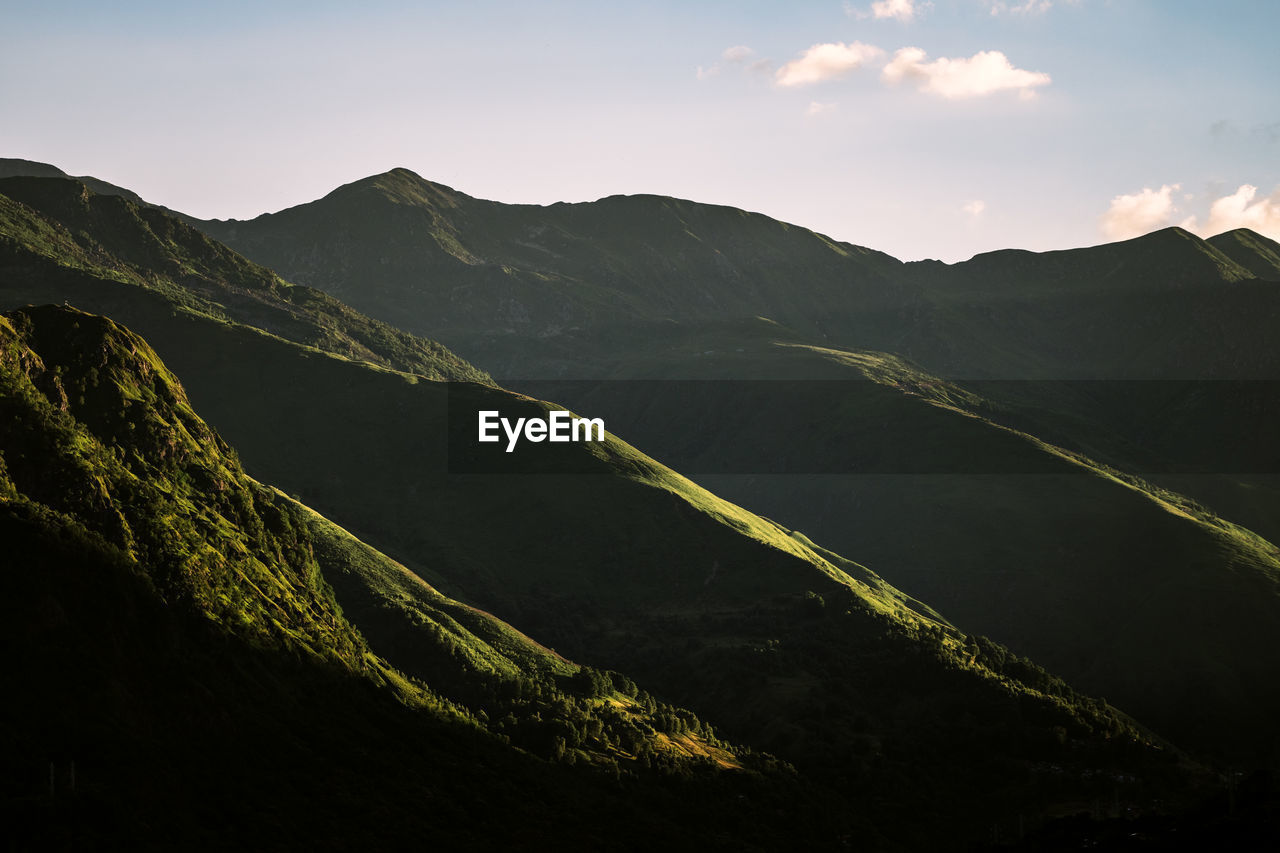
1137	213
825	62
817	108
704	73
903	10
1027	7
975	207
737	54
984	73
1239	210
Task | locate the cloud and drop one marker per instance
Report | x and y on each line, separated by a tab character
825	62
1239	210
817	108
902	10
975	207
737	54
984	73
1137	213
1026	7
1141	212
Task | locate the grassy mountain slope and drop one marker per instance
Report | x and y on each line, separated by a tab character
626	565
1129	590
188	675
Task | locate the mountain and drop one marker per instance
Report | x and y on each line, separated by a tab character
572	290
188	675
624	565
493	277
1093	421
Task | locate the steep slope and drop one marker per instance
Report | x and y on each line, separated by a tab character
186	675
1126	589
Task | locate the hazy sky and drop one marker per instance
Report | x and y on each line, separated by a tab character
924	129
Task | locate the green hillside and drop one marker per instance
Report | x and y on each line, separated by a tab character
625	565
1127	589
189	675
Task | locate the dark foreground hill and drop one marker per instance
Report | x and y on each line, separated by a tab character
925	733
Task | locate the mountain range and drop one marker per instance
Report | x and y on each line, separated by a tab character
919	389
972	435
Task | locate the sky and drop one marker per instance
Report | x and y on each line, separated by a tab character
923	129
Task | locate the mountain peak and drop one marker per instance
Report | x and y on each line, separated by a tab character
1259	254
402	186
